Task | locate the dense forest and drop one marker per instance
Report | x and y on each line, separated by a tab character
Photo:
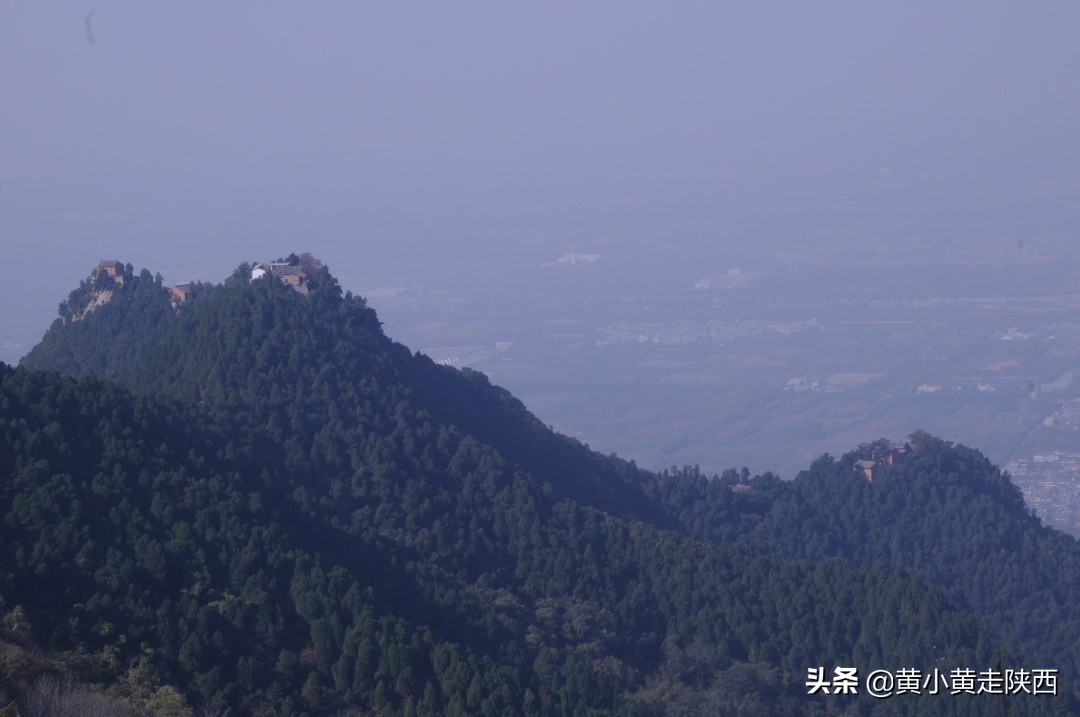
254	502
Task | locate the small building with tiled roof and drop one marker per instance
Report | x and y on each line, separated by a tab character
868	468
110	268
897	455
179	293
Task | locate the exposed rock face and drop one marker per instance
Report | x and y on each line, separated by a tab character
98	298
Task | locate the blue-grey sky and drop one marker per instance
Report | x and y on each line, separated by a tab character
190	136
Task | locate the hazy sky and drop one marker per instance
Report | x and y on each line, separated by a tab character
190	136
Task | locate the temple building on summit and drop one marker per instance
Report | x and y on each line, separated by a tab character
891	457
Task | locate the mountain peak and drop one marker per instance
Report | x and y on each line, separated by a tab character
298	272
105	280
336	492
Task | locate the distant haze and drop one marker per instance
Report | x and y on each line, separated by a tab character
455	154
364	130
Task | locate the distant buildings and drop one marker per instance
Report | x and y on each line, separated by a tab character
110	268
891	457
179	293
297	277
294	276
867	468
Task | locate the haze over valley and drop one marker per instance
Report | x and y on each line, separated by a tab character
606	359
715	236
769	355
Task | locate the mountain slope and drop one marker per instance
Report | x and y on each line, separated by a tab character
258	344
408	537
136	533
946	514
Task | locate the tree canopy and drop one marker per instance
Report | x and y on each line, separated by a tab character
257	503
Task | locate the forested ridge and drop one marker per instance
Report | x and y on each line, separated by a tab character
255	502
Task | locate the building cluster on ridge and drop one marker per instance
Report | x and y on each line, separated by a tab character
891	457
291	275
115	271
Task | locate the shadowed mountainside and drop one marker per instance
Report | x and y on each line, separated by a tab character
255	501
